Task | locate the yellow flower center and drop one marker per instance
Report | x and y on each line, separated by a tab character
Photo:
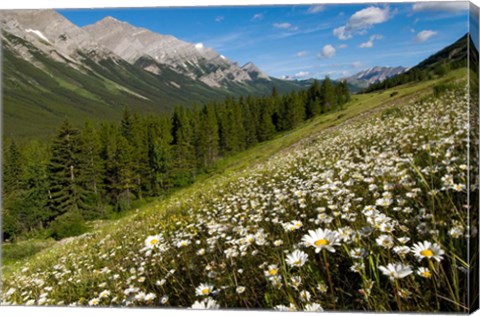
321	242
154	241
426	274
272	271
298	225
205	291
296	262
426	253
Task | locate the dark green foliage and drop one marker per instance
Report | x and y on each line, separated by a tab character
82	173
66	191
67	225
92	175
183	166
12	168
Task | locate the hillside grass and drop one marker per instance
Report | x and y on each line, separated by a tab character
15	256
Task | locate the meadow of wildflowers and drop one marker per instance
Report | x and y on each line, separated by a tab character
366	216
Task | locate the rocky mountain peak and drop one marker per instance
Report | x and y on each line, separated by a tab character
254	71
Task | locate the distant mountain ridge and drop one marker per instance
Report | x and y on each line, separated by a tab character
372	75
54	69
451	57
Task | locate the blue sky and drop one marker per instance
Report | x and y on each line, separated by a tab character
302	41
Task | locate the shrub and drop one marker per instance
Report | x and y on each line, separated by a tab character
68	225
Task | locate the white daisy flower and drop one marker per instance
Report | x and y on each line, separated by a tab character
396	271
297	258
320	239
204	289
152	241
313	307
207	303
424	272
94	302
427	250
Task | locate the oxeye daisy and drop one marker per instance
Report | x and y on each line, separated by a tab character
313	307
297	258
320	239
94	302
104	294
385	241
427	250
424	272
207	303
272	271
240	289
204	289
396	271
305	296
152	241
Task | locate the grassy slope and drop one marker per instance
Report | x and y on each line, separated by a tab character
235	166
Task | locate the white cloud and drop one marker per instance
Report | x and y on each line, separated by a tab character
315	9
357	64
285	26
342	46
328	51
361	21
199	46
424	35
219	18
257	17
302	53
369	43
302	74
454	6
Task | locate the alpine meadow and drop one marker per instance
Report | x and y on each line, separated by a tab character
313	158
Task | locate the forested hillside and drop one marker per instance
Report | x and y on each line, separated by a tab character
88	173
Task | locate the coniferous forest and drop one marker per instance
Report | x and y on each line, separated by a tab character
95	172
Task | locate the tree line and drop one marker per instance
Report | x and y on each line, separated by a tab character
91	172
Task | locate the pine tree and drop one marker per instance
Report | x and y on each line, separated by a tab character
119	167
313	107
328	95
159	154
183	171
12	168
208	138
66	192
266	128
342	93
92	175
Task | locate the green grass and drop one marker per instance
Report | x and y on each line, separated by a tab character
17	252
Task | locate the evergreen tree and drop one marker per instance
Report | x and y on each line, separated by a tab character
266	128
119	171
183	167
328	101
313	107
66	192
92	175
208	138
12	168
342	93
159	155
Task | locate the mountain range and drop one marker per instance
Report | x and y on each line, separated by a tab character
371	75
54	69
